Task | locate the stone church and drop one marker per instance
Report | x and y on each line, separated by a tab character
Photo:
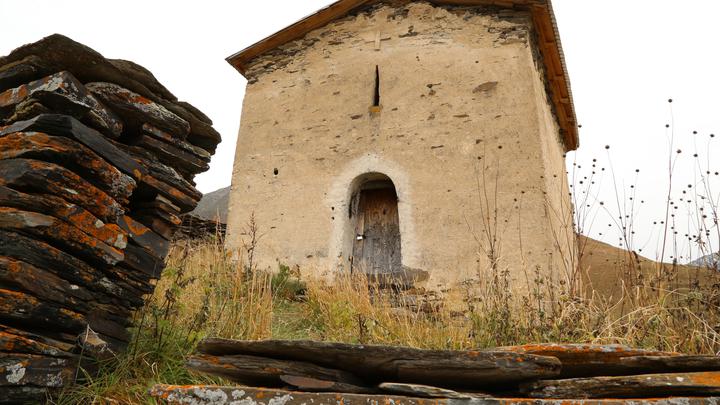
421	141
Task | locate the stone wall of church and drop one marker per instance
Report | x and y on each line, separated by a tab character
465	132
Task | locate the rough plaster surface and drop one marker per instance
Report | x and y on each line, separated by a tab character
464	116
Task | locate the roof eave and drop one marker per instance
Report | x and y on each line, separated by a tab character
543	19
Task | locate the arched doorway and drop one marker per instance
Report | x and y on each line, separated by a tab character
375	220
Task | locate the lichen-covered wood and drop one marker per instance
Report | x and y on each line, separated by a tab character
377	364
97	161
212	395
521	374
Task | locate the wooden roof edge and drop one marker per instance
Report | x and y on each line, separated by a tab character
544	20
570	127
293	32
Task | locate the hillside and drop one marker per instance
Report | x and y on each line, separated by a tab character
708	261
214	206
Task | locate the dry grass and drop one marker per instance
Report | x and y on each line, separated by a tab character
203	294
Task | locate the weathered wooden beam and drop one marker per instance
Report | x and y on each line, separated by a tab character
266	371
202	134
22	308
215	395
41	283
61	234
36	371
145	237
427	391
72	214
386	363
64	125
145	264
672	364
22	71
26	109
41	177
177	158
18	341
136	109
71	155
587	360
309	384
62	92
163	136
638	386
70	268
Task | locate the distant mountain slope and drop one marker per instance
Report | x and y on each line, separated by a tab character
214	206
708	260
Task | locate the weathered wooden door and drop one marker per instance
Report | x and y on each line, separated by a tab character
376	249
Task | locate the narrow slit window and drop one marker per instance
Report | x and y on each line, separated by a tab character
376	98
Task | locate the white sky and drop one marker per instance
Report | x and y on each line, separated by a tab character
625	57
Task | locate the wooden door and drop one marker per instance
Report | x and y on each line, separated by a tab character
376	249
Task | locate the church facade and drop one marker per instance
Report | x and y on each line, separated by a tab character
420	141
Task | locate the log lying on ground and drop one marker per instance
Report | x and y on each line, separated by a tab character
377	364
97	161
506	372
261	371
426	391
214	395
587	360
640	386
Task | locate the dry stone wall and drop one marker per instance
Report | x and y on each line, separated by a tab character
97	161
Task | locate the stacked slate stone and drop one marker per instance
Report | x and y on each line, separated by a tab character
303	372
97	161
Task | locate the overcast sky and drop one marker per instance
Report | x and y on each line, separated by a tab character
626	58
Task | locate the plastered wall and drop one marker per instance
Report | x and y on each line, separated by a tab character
465	132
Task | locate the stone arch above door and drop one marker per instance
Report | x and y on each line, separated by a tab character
340	196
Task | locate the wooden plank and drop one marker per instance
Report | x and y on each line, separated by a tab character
163	136
22	71
293	32
60	234
674	364
426	391
72	156
182	161
36	371
65	125
231	395
136	109
23	308
638	386
587	360
143	262
385	363
18	341
377	249
309	384
39	282
266	371
35	176
144	237
72	214
65	266
63	92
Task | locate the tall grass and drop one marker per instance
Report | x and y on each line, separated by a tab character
204	294
653	305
